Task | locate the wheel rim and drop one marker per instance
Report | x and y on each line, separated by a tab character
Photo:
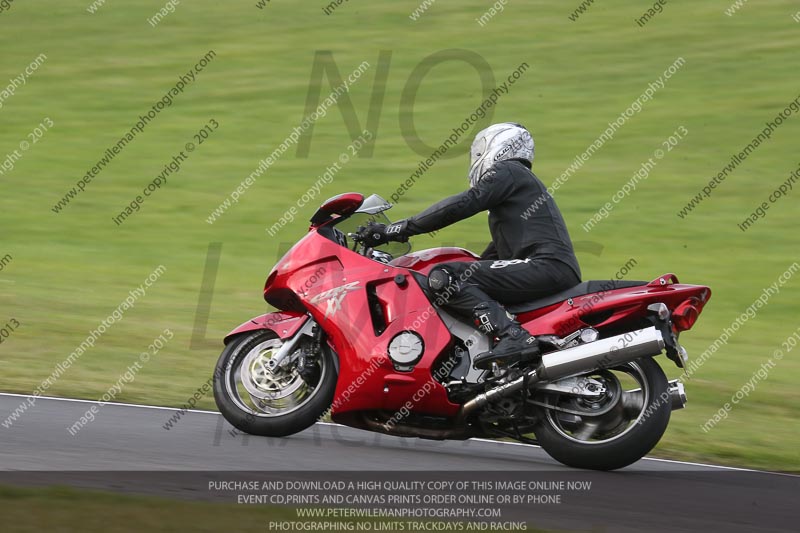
627	412
262	392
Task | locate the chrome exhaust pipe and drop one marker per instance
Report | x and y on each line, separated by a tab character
600	354
605	353
496	393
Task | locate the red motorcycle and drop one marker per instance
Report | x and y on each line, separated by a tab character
360	337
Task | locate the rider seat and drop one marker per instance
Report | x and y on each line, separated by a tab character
581	289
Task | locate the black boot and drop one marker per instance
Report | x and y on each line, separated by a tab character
515	343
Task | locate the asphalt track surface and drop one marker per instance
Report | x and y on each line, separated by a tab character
127	448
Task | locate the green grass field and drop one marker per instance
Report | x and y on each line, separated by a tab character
68	271
66	510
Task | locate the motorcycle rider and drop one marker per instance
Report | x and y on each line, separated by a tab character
530	255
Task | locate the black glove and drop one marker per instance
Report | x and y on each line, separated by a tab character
376	234
397	231
373	234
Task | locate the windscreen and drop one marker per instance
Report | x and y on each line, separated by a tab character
374	204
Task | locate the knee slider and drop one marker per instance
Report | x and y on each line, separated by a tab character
440	280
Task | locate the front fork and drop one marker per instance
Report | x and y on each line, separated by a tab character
289	345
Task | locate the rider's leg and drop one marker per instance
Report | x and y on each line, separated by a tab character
454	293
473	288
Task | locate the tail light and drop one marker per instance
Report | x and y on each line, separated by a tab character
685	315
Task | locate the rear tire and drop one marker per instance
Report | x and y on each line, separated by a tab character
616	452
277	413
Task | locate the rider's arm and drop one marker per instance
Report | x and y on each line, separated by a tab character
495	187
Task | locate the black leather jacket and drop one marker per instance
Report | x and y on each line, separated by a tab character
524	220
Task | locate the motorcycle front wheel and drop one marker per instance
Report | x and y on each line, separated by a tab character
635	414
272	402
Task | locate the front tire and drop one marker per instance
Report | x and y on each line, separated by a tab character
618	438
276	403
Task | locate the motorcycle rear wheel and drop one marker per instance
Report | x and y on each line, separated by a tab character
619	437
274	403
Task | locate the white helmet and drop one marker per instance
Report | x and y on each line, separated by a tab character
498	142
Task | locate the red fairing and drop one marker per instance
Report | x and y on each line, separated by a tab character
285	325
423	260
333	283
